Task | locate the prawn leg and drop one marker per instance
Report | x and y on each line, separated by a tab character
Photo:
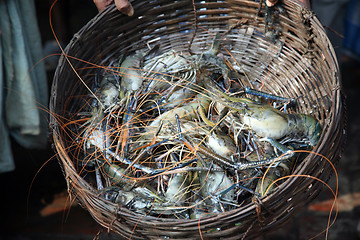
278	146
288	101
141	200
266	183
96	139
239	186
242	166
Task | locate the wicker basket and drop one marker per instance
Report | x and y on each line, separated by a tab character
298	60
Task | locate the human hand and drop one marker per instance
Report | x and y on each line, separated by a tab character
271	3
122	5
306	3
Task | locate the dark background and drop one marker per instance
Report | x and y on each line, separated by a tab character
38	180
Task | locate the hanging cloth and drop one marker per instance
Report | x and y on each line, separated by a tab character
24	97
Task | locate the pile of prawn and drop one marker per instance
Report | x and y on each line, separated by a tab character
177	135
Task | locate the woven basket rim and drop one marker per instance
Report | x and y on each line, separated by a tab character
123	220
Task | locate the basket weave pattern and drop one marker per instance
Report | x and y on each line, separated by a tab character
299	61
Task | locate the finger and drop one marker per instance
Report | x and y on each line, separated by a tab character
271	3
306	3
125	7
102	4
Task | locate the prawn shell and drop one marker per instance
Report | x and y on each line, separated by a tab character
177	188
221	144
267	122
130	71
213	183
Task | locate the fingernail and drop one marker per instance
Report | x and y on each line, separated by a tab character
128	10
131	11
271	3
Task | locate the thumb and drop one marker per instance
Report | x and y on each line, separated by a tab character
125	7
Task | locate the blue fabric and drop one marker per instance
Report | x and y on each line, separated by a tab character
352	29
331	14
6	158
24	98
